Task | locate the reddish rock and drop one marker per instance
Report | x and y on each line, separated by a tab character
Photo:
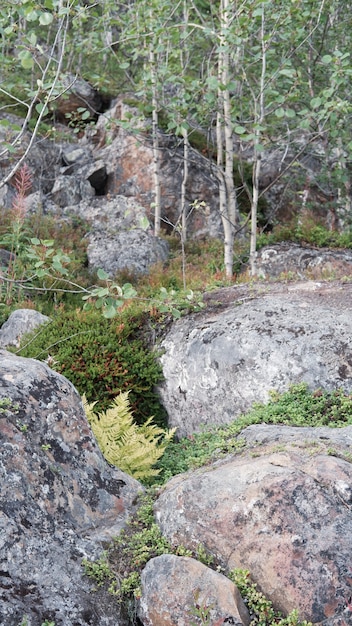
285	515
173	587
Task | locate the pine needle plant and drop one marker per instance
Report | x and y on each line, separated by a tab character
134	449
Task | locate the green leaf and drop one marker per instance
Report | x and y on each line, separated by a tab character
144	223
326	59
102	275
291	113
26	59
129	291
315	102
109	312
35	241
41	108
46	18
290	73
240	130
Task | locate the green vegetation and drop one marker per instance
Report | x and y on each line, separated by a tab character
296	407
103	357
134	449
121	565
306	232
260	608
280	94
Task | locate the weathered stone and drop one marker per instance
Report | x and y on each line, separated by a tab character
71	190
72	155
133	250
336	438
59	501
173	586
283	513
302	262
120	236
18	324
217	363
130	168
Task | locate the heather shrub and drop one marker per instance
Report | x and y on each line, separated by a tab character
103	357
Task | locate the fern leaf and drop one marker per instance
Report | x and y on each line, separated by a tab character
134	449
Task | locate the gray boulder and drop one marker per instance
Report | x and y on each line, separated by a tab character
59	501
120	236
133	250
19	323
216	364
287	258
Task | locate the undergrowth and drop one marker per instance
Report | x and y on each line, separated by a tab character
296	407
103	357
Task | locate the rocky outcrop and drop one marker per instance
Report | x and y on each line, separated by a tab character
174	587
19	323
281	509
59	501
120	236
128	155
78	94
217	363
290	259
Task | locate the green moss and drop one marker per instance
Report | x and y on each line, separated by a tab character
297	407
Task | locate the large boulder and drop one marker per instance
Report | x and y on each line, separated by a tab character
217	363
282	510
60	501
120	236
123	143
287	258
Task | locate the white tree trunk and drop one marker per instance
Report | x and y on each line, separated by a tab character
259	116
155	139
224	138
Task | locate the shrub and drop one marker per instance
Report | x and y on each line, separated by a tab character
134	449
102	357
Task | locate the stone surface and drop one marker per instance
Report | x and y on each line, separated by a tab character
120	236
303	262
69	190
18	324
217	363
283	512
173	586
133	251
59	501
129	161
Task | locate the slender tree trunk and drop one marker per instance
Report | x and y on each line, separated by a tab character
259	114
184	207
225	151
155	139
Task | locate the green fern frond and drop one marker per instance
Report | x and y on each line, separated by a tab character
134	449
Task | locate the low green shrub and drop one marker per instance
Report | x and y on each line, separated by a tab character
103	357
260	608
297	407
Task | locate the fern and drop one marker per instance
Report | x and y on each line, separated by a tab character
134	449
